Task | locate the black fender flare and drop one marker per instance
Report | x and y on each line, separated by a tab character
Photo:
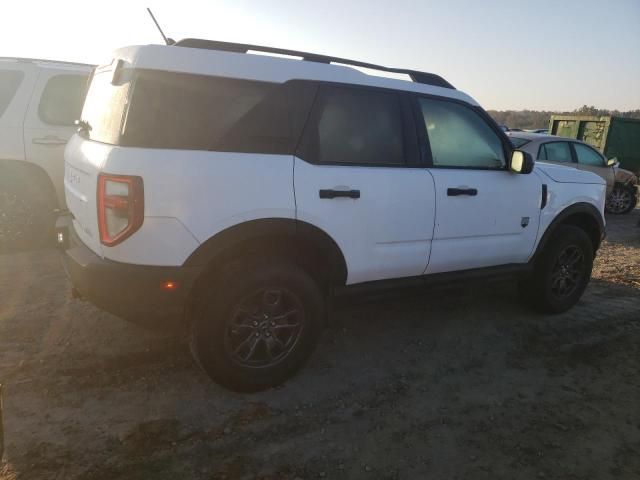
287	229
577	210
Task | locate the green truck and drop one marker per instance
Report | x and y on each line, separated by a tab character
614	136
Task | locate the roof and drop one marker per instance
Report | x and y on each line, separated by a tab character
234	64
46	61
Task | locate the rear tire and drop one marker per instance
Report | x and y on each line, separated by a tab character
26	215
561	273
257	324
623	199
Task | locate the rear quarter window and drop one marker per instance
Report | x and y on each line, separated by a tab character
10	80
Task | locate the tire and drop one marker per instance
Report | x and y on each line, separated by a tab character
257	324
561	273
622	200
26	215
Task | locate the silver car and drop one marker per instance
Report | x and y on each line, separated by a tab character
622	185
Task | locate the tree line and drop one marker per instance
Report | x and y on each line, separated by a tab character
528	119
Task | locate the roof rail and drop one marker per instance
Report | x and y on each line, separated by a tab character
416	76
34	60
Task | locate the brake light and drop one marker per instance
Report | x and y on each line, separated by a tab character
120	207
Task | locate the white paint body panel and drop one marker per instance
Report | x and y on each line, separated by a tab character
20	124
386	233
486	229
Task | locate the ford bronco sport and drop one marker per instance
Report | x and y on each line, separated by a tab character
237	193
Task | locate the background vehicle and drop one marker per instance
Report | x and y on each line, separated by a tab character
614	137
39	101
622	185
538	130
240	192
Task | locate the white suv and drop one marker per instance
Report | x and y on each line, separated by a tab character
237	193
39	101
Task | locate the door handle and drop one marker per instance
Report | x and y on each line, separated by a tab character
339	193
454	192
49	140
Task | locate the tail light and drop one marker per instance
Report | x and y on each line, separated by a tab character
120	207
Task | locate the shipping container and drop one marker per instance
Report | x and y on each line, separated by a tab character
613	136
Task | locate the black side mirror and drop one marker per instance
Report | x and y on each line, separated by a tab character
521	162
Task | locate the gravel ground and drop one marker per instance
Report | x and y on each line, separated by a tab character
460	384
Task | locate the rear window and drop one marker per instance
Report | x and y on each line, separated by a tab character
153	109
9	82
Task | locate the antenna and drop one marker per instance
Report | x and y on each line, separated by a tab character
168	41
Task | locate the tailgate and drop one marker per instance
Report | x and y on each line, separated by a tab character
83	162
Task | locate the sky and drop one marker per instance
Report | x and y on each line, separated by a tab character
507	54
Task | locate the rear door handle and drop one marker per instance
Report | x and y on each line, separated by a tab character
454	192
339	193
49	140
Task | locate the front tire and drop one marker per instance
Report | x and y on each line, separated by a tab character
561	273
622	200
257	324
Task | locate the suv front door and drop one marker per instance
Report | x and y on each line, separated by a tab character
358	178
485	215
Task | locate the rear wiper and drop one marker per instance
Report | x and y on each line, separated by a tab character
83	126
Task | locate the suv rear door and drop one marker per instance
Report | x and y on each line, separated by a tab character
16	84
357	176
485	214
49	123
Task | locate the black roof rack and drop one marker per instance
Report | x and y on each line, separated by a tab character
33	60
418	77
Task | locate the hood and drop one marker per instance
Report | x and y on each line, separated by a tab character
562	174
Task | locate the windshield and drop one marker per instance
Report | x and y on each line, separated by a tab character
517	142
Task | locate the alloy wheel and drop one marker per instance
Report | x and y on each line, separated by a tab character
567	271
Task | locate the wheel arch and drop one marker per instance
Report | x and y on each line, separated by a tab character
306	244
582	215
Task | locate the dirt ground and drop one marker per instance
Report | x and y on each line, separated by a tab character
461	384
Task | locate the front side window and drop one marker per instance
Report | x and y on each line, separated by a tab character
459	137
588	156
355	126
555	152
62	98
9	82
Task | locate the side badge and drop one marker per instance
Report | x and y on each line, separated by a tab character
524	222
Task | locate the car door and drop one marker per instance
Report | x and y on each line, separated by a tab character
591	160
55	104
485	215
357	177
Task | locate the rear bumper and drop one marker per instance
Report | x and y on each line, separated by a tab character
132	292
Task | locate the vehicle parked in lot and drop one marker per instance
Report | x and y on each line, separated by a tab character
538	130
239	193
614	137
622	185
39	101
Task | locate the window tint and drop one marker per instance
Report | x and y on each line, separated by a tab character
459	137
555	152
9	82
62	99
355	126
197	112
588	156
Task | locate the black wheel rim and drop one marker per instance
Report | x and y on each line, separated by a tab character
567	271
619	201
264	327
